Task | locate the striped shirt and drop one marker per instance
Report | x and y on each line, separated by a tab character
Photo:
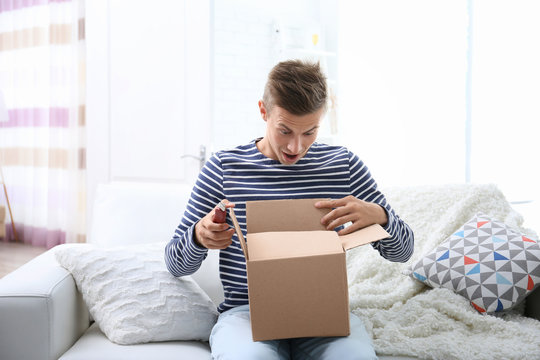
245	174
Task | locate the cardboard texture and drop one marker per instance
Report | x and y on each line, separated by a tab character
297	276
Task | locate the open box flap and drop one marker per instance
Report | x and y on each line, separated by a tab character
363	236
290	244
239	233
297	215
284	215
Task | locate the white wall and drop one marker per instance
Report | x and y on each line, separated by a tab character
246	46
506	93
402	68
164	79
409	84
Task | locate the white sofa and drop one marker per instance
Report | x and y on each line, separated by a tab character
43	315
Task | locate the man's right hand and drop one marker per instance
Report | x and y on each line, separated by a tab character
213	235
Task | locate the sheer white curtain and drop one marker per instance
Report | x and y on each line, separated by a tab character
42	148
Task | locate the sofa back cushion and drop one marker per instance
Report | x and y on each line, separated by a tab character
127	213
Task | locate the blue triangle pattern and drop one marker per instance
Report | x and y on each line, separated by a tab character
497	256
499	306
502	280
497	240
444	256
460	233
419	277
474	270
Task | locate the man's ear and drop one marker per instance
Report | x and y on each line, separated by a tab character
262	110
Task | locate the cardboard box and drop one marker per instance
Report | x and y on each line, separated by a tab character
296	269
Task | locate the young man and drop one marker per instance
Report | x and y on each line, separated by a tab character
286	163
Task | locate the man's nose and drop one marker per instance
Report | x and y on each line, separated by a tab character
294	145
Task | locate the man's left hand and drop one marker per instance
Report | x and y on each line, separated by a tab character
351	209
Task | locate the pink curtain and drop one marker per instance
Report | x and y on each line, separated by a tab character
42	141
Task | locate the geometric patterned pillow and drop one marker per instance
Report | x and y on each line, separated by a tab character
490	264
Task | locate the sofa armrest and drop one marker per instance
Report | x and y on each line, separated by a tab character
42	313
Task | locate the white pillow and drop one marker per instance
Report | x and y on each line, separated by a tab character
132	296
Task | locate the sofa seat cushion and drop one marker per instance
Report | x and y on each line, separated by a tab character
95	345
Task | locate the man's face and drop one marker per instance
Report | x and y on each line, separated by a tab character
288	137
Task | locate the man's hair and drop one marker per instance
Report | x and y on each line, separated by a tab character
297	86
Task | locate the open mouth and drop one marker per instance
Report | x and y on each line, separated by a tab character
290	158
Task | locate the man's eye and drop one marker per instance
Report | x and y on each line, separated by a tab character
284	132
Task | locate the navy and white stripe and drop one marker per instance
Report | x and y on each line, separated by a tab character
244	174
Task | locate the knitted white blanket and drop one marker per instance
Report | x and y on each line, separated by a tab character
404	317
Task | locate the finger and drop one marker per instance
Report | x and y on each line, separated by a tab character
212	240
223	239
223	235
334	214
219	244
349	229
220	235
335	203
327	204
340	221
217	227
227	203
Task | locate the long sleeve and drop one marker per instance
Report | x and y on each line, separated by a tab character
399	246
182	254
